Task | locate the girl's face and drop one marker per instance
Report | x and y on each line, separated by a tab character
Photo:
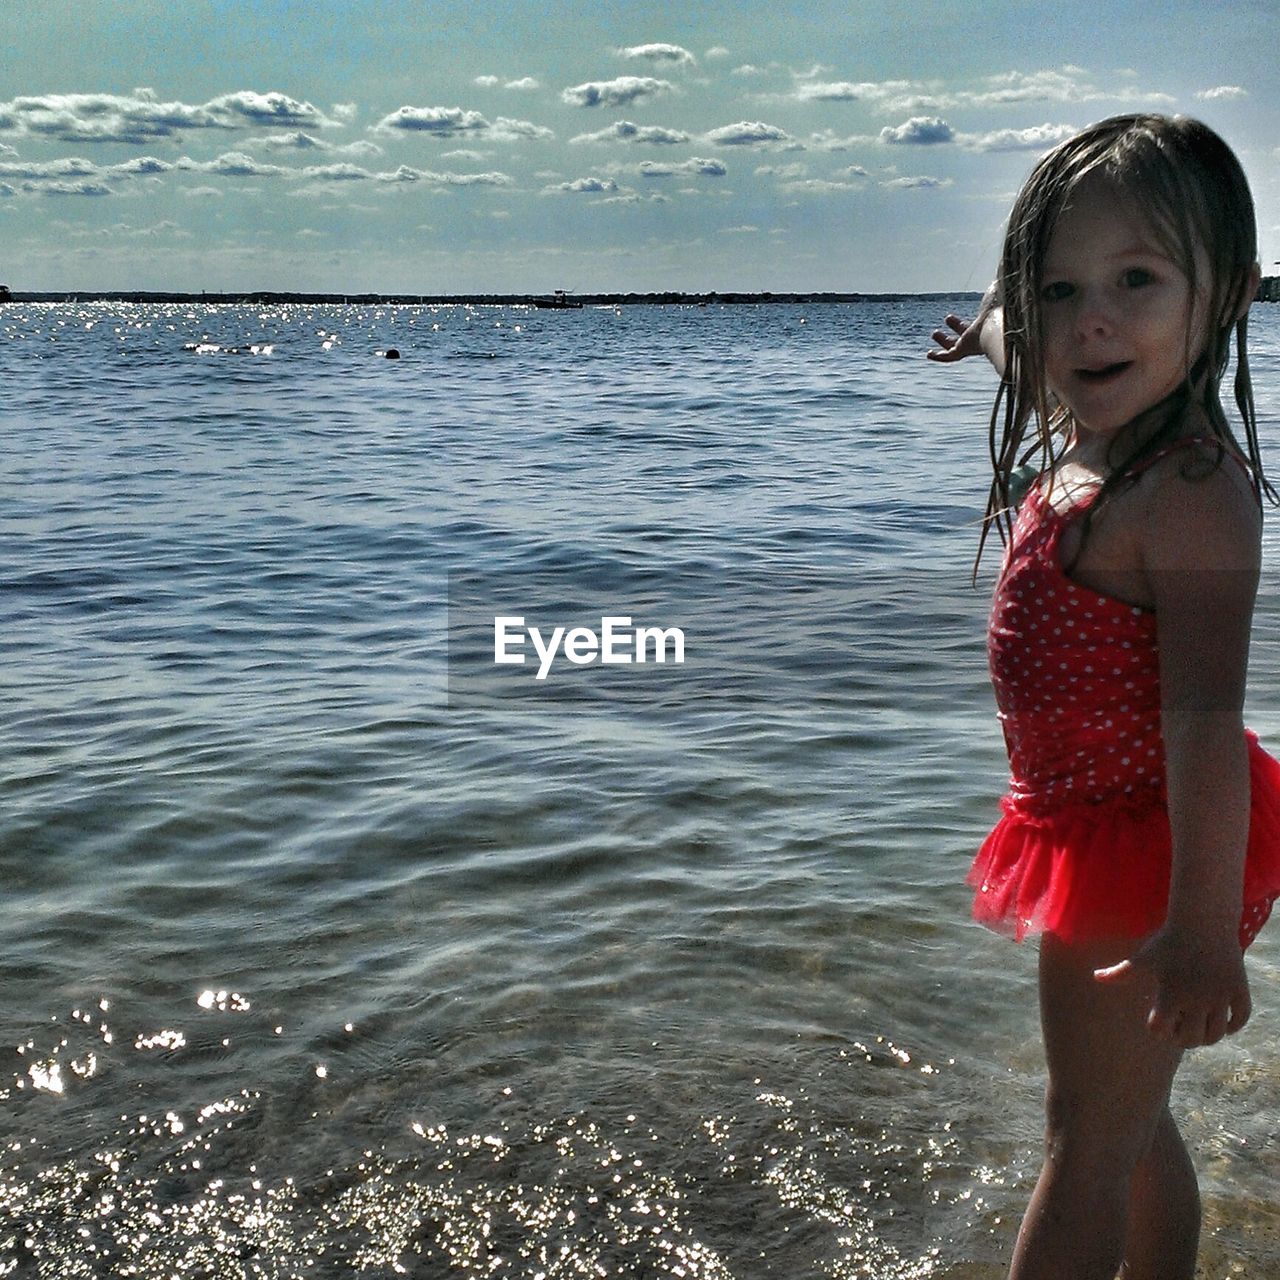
1119	322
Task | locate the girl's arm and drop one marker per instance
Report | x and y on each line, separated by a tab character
1200	548
983	335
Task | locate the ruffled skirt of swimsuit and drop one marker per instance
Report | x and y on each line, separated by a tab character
1091	871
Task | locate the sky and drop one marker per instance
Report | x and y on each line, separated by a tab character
446	147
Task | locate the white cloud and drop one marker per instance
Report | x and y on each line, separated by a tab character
716	53
695	165
918	131
346	112
325	176
439	122
455	122
141	166
524	84
828	140
294	141
101	117
615	93
165	228
813	90
74	188
921	183
259	109
634	197
817	91
335	173
1062	84
748	133
749	69
140	117
794	170
297	140
471	179
1034	138
38	170
605	187
669	53
361	147
588	186
1067	84
231	164
68	189
506	130
1222	92
404	174
626	131
77	176
816	186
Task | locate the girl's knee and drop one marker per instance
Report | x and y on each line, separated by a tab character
1083	1134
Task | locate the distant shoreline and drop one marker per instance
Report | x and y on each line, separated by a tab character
271	297
1268	291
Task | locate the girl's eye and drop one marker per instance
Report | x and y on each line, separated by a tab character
1056	291
1136	277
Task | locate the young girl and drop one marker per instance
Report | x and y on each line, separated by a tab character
1141	832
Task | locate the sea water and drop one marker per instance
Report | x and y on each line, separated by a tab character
328	947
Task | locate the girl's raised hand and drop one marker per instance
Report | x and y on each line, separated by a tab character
981	336
964	339
1201	993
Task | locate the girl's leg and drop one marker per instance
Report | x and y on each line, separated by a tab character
1109	1082
1164	1210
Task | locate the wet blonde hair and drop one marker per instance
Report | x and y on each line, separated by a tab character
1189	187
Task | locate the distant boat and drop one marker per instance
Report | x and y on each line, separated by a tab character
5	295
559	301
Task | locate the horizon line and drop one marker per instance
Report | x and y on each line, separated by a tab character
609	298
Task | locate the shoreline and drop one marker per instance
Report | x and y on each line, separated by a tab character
271	297
1268	291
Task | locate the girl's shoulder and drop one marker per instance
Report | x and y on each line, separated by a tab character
1195	506
1195	457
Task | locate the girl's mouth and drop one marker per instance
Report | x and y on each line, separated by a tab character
1103	373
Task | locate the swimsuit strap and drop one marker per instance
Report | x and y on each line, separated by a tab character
1184	443
1138	468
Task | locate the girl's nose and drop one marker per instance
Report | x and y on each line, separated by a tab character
1094	317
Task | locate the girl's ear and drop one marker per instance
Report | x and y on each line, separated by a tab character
1243	300
1250	290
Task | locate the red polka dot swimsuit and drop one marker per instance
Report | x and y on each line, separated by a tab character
1083	850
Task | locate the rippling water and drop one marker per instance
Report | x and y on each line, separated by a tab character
325	950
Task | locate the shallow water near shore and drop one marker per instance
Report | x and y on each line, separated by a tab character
325	950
